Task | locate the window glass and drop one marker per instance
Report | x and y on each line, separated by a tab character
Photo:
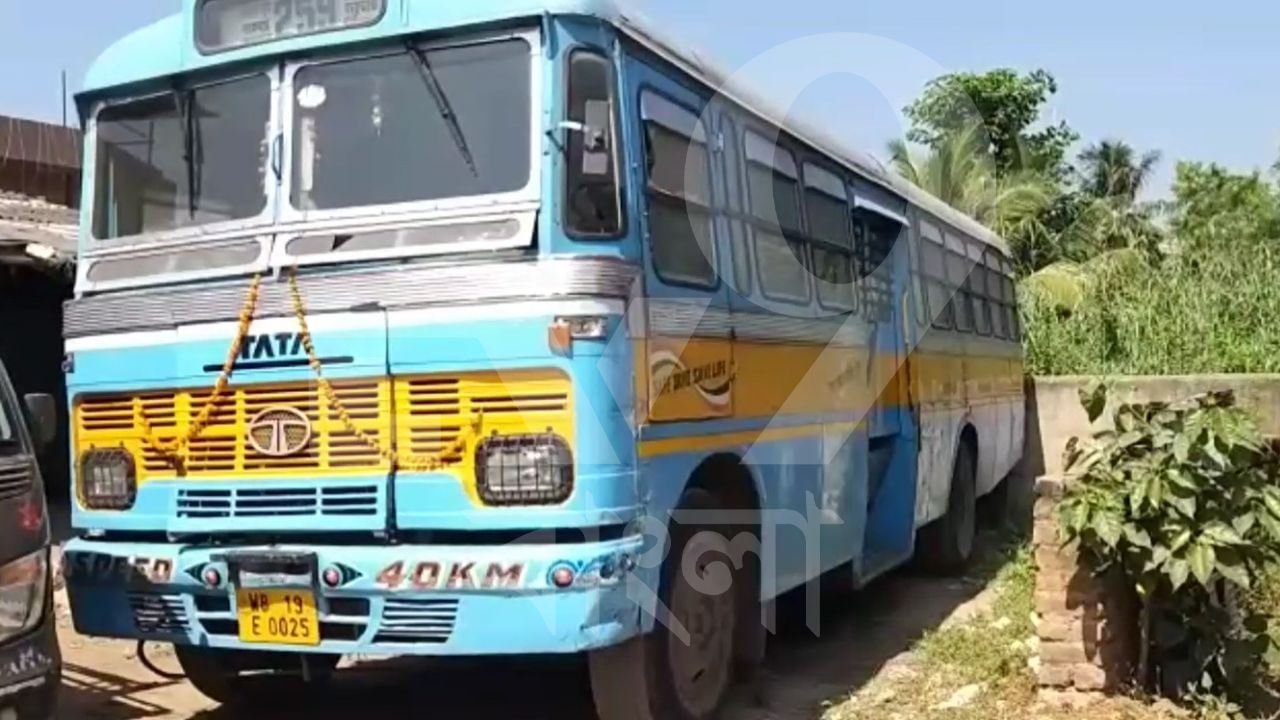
733	186
773	187
962	306
682	242
679	191
932	260
593	203
981	314
1010	294
940	304
190	157
917	284
998	325
782	273
827	205
677	165
833	274
424	124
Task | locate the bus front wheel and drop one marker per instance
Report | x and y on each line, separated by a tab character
684	669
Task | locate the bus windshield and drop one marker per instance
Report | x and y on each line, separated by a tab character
183	158
420	124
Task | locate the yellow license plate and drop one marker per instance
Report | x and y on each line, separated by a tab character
284	617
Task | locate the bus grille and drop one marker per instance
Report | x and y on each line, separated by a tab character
420	415
304	500
155	614
417	621
223	450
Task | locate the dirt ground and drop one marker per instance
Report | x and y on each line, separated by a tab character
861	636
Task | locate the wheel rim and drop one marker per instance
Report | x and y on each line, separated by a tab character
701	668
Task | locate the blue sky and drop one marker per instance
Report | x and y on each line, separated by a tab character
1196	80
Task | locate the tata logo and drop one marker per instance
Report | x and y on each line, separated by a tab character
269	347
279	431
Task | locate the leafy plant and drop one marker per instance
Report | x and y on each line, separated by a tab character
1181	498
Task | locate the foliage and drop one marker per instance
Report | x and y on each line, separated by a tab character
1111	169
1215	210
1181	497
961	174
1004	105
1194	308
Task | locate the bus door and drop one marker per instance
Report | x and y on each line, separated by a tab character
687	367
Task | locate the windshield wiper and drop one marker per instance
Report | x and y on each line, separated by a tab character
442	104
192	148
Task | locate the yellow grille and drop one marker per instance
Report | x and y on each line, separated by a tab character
223	449
423	414
433	410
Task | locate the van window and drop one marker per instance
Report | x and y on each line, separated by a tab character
679	193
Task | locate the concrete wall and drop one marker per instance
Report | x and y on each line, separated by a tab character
1054	414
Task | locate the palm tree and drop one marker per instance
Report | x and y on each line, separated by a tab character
960	171
1112	170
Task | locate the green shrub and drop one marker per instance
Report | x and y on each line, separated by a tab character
1182	498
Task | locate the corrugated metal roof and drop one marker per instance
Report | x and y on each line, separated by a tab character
25	220
37	142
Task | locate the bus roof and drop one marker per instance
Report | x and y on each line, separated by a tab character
167	48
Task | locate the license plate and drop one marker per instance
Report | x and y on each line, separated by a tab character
283	617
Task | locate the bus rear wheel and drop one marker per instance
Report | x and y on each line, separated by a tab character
946	545
237	678
684	669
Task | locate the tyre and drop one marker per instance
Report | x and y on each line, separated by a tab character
244	678
946	545
684	669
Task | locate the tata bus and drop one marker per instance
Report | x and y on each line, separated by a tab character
502	327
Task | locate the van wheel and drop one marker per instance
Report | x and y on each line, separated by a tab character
946	545
220	675
684	669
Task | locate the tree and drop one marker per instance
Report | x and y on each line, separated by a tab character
1004	105
958	170
1216	209
1112	170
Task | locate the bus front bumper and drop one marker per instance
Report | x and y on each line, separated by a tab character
393	599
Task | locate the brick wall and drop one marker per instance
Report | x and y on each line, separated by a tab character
1087	624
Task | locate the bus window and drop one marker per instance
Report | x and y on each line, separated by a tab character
933	267
874	244
827	207
958	268
917	282
679	192
773	190
593	195
976	284
995	291
740	250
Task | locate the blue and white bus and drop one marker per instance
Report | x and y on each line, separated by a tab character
502	327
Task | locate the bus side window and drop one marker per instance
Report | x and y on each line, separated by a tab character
740	249
679	192
933	267
995	291
958	268
773	191
827	205
917	279
593	188
979	298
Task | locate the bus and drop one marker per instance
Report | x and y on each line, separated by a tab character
502	327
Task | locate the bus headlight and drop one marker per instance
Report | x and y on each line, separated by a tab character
22	594
524	470
108	479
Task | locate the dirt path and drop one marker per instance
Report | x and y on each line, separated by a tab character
861	635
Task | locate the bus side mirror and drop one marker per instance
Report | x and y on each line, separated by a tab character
42	419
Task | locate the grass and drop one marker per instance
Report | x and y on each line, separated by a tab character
988	657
